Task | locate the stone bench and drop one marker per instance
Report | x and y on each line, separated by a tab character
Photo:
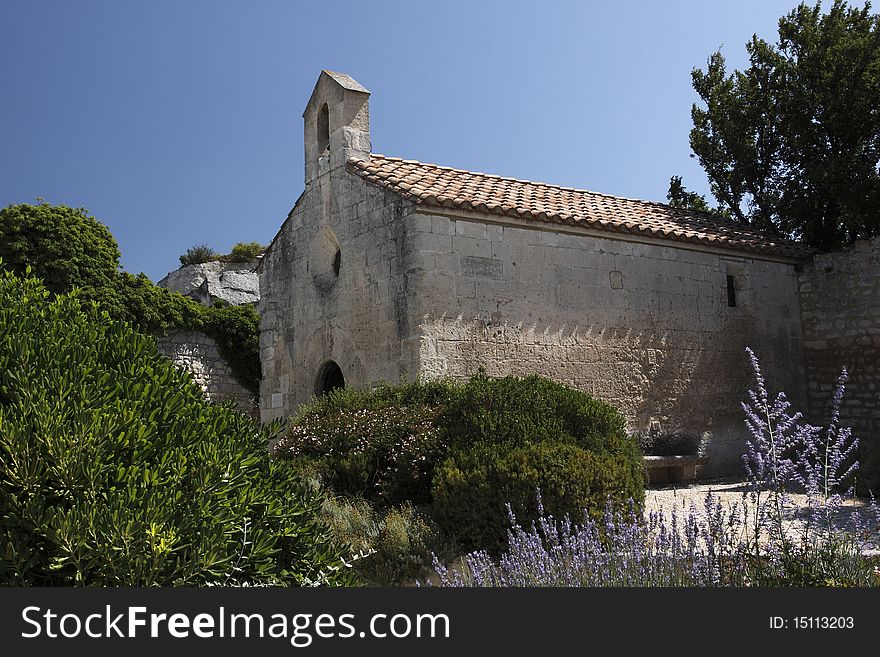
662	469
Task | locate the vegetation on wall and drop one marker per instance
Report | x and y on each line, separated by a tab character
114	470
198	254
72	250
791	143
241	252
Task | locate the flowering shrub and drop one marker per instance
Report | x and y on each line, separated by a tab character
697	547
467	449
384	454
759	541
783	453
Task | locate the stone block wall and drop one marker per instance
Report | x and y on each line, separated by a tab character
199	354
840	307
350	308
646	327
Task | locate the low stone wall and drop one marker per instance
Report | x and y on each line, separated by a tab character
199	354
840	309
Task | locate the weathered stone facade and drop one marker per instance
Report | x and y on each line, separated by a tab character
200	356
360	278
643	326
358	318
840	307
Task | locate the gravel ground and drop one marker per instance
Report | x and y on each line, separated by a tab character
730	492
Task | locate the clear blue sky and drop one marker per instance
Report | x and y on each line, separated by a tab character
179	122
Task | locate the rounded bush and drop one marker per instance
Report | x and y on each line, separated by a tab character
472	488
364	444
246	251
65	247
519	411
115	471
467	449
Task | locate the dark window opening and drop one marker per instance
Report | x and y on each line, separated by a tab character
330	379
731	292
323	129
337	262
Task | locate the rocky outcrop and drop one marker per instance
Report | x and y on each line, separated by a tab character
236	283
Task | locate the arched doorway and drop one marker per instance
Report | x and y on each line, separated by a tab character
329	379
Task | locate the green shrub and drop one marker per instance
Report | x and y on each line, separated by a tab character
382	452
72	250
246	251
114	470
66	247
393	547
498	440
198	254
519	411
473	487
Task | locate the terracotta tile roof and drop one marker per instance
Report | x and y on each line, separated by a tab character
436	186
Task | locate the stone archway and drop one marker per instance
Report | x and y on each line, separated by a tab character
330	378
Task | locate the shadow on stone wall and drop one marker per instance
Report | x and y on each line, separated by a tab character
663	381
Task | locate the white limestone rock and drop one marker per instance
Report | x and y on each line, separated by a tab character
236	283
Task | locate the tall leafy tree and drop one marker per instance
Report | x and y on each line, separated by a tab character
791	145
679	196
66	247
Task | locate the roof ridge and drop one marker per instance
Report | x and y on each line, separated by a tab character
539	183
556	203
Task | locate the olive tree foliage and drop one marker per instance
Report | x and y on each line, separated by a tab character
791	144
115	471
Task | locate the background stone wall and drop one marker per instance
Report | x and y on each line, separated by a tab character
840	307
200	355
645	327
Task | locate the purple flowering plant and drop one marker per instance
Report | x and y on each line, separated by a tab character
763	539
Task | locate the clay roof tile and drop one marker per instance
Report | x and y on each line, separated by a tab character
433	185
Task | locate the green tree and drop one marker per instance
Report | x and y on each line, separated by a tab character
69	249
679	197
115	471
66	247
791	144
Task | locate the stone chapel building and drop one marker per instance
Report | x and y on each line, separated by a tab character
390	269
